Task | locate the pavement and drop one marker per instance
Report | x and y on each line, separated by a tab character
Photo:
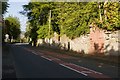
0	61
1	51
8	69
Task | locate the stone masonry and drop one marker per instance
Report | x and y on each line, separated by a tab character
98	41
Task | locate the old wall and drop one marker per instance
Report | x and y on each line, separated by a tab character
80	44
112	43
99	41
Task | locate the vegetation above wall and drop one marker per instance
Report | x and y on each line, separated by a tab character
72	19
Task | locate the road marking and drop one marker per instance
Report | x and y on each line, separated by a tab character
86	68
46	58
73	69
86	71
34	53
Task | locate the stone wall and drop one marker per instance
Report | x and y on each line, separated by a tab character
80	44
107	43
112	43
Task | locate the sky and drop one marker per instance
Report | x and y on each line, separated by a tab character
15	6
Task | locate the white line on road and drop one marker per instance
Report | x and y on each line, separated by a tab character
46	58
34	53
86	71
86	68
73	69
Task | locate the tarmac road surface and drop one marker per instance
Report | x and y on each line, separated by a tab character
29	65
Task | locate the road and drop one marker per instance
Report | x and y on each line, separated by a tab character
29	65
98	65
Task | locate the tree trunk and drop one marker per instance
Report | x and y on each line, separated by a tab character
105	10
100	12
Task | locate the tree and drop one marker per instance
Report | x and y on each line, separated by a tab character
28	31
38	18
12	27
112	17
73	18
3	10
5	5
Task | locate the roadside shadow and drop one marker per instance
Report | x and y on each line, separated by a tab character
113	52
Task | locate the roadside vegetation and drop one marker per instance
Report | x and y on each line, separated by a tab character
73	19
3	10
12	27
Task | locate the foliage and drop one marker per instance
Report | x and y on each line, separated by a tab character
4	7
72	19
3	10
110	16
43	31
28	30
12	26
